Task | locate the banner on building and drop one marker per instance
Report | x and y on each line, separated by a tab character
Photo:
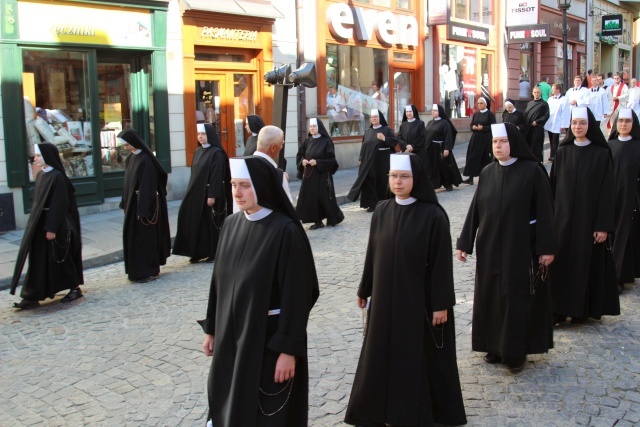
528	34
522	12
467	33
612	25
437	12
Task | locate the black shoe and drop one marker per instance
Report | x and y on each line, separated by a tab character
147	279
210	260
558	319
578	320
620	289
316	226
492	358
25	304
516	367
449	188
73	294
370	209
468	181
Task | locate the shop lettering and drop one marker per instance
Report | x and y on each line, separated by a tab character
74	30
228	34
528	34
469	33
347	22
523	8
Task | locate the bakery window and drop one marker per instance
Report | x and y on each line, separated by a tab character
57	107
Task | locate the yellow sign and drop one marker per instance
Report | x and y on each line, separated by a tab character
216	33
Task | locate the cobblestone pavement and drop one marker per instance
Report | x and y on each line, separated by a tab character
129	355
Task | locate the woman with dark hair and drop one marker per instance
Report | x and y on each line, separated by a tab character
582	179
479	149
253	125
52	237
145	233
512	215
377	143
207	200
441	137
316	161
407	374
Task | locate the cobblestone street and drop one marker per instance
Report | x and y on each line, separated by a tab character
129	354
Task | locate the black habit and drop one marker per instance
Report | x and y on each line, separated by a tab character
582	179
146	238
441	135
317	198
512	214
255	124
414	133
479	151
199	224
537	111
372	181
517	118
54	265
407	374
262	265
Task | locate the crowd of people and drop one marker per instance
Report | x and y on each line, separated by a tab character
550	247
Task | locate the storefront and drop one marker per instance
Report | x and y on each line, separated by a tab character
612	53
225	56
464	66
74	74
368	58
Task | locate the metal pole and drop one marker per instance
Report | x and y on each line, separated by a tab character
565	34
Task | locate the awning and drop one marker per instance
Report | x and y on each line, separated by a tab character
235	7
633	5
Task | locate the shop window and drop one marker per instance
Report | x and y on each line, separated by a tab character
480	11
458	84
223	57
623	61
383	3
357	81
57	109
402	85
524	80
404	4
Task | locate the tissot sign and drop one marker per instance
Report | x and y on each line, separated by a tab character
352	22
528	33
467	33
521	12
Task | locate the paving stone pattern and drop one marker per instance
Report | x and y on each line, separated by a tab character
129	354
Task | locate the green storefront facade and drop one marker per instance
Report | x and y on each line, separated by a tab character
75	73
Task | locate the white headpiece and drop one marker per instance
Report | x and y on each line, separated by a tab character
374	112
200	127
36	149
499	130
579	113
483	99
408	108
625	113
239	168
313	122
400	162
435	107
508	102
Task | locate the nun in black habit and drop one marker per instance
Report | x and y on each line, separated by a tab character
515	117
407	374
537	115
378	143
207	200
479	149
512	214
253	126
263	287
441	135
412	137
51	239
145	233
583	279
625	149
316	162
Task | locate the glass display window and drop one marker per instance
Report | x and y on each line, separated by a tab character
57	107
480	11
402	88
458	86
357	81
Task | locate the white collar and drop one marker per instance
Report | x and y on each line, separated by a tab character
138	151
412	120
582	144
508	162
514	110
625	138
437	118
316	136
377	127
405	202
265	156
205	145
257	216
47	169
254	134
484	111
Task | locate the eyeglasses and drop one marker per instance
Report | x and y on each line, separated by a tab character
403	177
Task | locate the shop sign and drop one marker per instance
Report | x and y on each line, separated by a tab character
437	12
522	12
229	34
346	22
555	25
528	33
50	23
612	25
610	40
467	33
